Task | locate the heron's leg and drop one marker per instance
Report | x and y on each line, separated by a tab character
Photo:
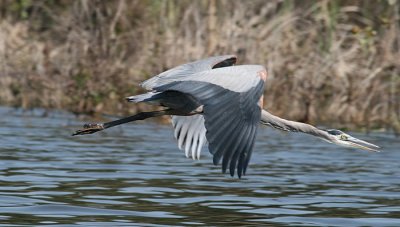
95	127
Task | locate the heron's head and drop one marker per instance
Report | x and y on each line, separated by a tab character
340	138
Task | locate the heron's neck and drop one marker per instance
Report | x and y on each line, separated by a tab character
292	126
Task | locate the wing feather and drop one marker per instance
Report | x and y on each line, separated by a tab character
190	133
231	145
234	154
188	69
228	135
242	164
234	78
239	116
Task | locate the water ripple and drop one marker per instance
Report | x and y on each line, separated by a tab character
135	176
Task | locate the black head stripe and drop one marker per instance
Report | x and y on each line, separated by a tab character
334	132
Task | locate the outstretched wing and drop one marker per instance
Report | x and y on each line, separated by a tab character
189	130
182	71
229	97
190	133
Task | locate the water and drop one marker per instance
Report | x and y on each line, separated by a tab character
135	176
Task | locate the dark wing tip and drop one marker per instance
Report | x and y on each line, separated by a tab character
225	63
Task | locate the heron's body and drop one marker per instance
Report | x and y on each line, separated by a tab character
225	104
213	101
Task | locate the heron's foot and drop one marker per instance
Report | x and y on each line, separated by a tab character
89	129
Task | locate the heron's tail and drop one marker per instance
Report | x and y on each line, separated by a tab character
147	97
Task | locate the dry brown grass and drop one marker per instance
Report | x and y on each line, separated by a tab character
328	61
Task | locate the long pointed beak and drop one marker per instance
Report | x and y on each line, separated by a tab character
357	143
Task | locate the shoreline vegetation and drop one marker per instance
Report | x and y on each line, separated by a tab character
335	63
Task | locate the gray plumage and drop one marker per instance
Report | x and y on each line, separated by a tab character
192	131
186	70
228	97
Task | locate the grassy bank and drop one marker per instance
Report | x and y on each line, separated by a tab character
328	61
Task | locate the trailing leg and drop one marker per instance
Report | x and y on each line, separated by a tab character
91	128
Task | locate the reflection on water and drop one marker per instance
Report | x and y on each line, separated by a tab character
135	175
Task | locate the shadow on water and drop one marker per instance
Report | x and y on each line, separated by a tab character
135	175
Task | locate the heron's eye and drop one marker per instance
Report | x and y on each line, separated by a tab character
343	137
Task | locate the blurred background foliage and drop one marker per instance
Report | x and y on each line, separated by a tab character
328	61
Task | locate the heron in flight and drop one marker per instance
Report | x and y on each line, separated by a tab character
217	102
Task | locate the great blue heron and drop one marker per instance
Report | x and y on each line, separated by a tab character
214	101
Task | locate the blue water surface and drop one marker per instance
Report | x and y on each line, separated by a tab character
134	175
